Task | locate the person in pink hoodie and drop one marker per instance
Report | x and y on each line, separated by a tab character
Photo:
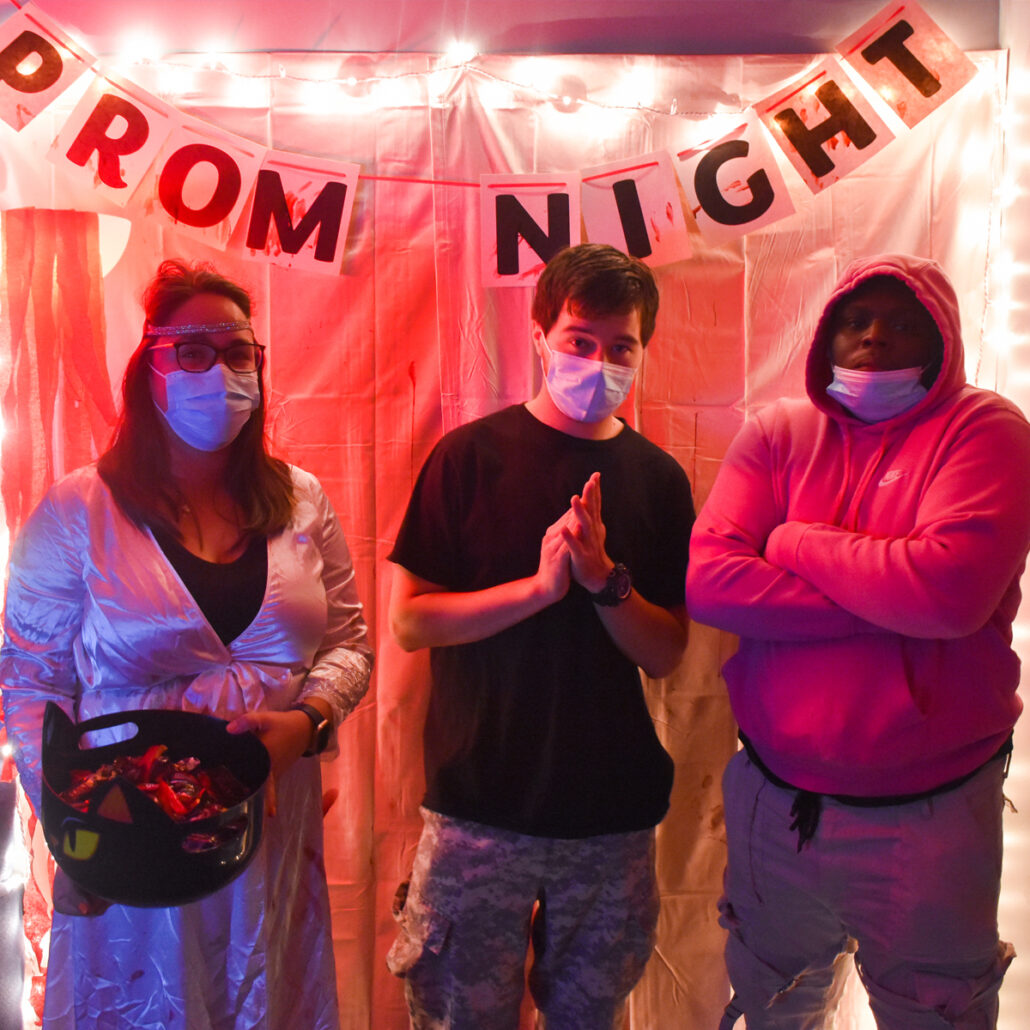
866	545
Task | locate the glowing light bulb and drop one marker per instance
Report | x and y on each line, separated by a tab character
461	51
139	48
532	72
400	92
1009	190
636	89
571	93
212	52
174	80
321	96
495	94
244	91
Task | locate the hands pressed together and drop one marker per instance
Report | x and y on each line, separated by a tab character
573	547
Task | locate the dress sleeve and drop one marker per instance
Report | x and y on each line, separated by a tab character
42	620
730	582
343	664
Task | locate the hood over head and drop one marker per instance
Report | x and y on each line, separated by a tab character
934	291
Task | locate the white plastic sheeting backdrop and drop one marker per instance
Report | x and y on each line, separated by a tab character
370	367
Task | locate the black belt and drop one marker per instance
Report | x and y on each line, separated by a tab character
808	805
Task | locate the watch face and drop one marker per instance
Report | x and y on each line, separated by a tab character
617	589
623	585
322	732
321	729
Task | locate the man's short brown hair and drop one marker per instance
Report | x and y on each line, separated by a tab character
596	280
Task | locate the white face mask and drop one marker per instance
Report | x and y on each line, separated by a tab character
877	396
584	389
208	409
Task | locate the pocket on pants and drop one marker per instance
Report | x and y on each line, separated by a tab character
742	786
421	929
970	1001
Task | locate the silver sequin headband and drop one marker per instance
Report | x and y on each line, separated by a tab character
199	327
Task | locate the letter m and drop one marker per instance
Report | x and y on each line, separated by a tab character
323	217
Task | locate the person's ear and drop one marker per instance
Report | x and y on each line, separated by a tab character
539	337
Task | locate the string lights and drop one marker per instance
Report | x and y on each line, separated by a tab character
537	80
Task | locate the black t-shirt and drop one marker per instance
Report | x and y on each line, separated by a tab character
542	728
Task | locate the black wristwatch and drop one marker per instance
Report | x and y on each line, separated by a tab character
617	588
321	728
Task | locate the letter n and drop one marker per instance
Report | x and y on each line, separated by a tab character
514	222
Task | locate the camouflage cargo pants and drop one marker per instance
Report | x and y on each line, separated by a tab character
478	895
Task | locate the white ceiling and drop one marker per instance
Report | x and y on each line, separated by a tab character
497	26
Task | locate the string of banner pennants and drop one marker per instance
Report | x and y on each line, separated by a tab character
124	143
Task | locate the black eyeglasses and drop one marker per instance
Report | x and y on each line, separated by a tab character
198	356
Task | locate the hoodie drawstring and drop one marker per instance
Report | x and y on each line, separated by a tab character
838	501
846	517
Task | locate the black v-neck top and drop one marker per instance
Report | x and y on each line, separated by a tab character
228	593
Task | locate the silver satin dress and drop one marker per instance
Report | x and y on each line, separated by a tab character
98	620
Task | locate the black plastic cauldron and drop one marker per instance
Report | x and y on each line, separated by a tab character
151	861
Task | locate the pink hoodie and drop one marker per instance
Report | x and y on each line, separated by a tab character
871	571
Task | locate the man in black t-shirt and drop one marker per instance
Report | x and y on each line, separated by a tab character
542	559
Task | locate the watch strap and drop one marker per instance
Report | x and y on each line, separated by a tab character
321	728
617	587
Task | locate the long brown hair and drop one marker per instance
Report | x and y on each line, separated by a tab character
137	465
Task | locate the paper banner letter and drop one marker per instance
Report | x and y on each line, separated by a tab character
319	195
710	197
111	138
38	62
94	138
515	210
36	77
824	125
204	180
733	184
172	185
514	223
631	218
903	54
636	207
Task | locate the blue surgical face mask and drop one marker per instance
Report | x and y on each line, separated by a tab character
877	396
586	390
208	409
